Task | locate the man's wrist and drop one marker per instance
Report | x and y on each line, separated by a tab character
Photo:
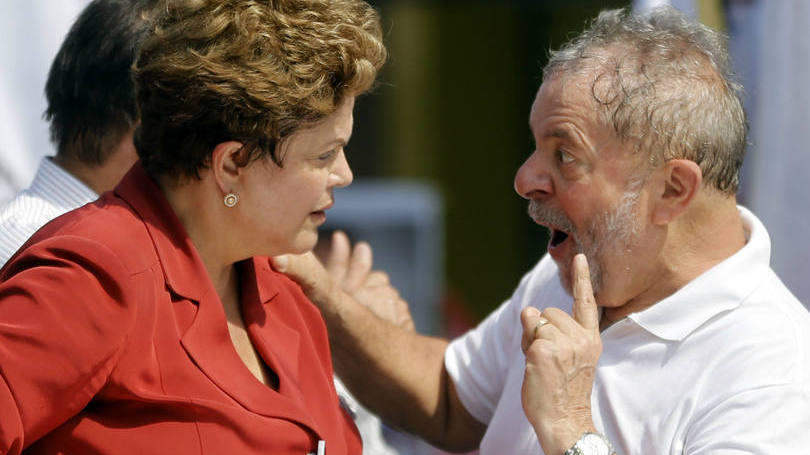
591	443
557	436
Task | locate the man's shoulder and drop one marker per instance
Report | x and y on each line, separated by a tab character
28	209
107	225
765	340
21	218
774	312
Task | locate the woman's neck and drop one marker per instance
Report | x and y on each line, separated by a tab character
203	222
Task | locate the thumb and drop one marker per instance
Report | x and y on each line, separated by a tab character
306	270
529	317
585	310
280	263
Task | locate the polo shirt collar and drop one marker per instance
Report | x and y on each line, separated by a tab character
59	187
721	288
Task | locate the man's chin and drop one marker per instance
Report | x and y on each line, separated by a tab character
567	282
565	279
566	286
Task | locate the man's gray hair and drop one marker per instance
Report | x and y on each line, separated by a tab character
665	86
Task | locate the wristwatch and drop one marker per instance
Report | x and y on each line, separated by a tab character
591	444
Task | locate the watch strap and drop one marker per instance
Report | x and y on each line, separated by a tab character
591	443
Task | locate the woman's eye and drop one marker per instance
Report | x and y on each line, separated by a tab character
564	157
328	155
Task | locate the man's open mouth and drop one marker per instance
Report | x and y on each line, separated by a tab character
557	237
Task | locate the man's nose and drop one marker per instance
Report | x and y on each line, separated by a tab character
532	179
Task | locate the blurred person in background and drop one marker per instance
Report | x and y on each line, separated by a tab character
679	339
33	30
91	109
150	320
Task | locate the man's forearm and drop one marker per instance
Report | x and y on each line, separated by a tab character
399	375
396	373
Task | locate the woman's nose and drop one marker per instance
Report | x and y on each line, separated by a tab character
341	174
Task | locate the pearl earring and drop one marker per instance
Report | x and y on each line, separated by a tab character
230	200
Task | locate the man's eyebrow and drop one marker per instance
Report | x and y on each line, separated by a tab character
559	133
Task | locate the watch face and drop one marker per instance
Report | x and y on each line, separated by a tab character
594	444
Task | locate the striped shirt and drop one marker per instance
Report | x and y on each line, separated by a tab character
53	192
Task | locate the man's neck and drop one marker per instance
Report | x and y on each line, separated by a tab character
102	177
708	234
99	178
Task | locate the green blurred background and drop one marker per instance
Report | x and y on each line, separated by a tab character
452	109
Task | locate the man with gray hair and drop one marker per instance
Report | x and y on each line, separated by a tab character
680	338
92	115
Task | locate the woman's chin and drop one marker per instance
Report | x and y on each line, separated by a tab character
304	243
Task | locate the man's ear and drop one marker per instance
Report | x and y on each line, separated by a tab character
224	166
680	183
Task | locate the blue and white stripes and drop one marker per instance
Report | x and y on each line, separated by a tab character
53	192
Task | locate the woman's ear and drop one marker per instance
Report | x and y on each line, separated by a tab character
681	180
224	165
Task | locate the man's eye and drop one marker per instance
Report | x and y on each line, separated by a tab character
564	157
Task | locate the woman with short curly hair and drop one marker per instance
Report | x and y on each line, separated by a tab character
150	321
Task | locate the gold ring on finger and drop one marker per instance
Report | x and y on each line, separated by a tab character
540	323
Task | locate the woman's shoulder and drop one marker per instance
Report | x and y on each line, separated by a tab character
105	233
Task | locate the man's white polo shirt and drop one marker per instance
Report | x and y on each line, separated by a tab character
720	367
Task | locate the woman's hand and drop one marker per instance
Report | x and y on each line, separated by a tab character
561	357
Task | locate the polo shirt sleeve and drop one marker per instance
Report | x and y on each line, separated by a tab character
479	360
64	317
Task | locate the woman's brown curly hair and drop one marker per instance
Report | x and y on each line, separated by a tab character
253	71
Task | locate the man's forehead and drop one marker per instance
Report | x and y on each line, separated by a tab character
562	91
566	110
596	66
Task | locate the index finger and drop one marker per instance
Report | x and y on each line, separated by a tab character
585	311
